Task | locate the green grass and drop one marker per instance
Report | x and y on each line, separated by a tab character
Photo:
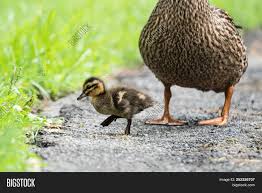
36	55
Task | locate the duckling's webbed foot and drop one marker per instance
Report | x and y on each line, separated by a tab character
127	130
109	120
220	121
166	118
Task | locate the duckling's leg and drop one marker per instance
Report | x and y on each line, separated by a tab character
225	113
166	118
109	120
129	122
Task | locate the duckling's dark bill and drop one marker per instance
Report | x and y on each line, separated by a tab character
81	96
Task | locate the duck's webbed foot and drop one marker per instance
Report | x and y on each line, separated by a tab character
222	120
166	120
109	120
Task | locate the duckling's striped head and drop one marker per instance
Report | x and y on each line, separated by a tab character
92	87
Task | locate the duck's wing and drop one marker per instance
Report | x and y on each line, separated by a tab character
224	15
120	98
230	31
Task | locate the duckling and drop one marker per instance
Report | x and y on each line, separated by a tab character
118	102
190	43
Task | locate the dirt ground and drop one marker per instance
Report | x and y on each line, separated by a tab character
81	144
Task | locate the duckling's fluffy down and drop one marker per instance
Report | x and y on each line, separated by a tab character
128	101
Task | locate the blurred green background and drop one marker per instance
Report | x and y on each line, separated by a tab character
38	62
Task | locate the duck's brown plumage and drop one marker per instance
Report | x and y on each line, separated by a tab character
192	44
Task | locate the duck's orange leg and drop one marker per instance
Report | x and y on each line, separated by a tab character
166	118
225	113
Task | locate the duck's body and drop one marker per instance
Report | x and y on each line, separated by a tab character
191	44
122	102
118	102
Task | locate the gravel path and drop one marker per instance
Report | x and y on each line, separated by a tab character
81	144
